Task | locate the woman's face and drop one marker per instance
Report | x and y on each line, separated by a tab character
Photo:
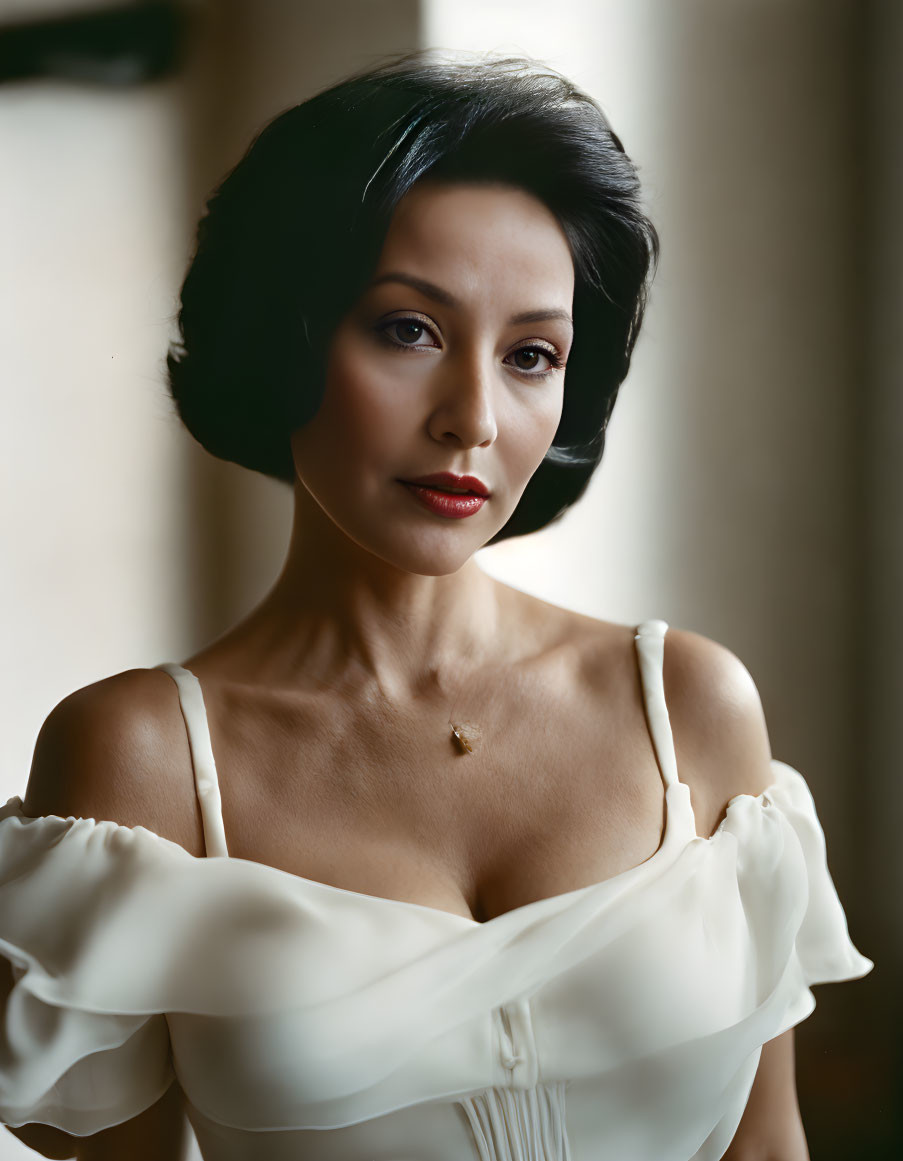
451	361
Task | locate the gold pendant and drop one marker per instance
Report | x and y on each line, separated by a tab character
465	735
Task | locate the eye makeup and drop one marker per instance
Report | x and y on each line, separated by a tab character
382	329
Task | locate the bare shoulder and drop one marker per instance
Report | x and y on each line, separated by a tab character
117	749
720	733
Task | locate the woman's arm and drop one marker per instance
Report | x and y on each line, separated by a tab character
116	750
722	748
771	1128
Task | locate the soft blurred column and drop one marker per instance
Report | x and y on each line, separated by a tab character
761	315
879	620
881	626
92	232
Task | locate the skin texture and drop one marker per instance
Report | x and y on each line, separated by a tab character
472	397
328	703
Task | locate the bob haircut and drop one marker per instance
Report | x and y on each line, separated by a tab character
290	238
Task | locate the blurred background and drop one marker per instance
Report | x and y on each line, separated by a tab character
752	485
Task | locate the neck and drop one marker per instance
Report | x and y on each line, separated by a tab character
340	616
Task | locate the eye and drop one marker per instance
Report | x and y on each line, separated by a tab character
404	332
532	354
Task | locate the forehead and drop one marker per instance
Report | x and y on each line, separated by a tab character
479	240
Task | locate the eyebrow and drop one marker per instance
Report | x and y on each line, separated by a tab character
439	295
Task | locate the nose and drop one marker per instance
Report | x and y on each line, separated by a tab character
464	411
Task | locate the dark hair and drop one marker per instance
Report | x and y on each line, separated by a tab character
290	238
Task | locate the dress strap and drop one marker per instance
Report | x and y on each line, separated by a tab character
650	645
206	780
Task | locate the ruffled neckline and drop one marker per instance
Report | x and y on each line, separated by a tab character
709	944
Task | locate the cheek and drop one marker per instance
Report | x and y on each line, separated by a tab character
363	410
374	406
532	429
553	407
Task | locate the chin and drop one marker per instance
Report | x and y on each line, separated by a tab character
440	554
425	562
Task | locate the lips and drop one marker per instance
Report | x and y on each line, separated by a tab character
451	483
451	505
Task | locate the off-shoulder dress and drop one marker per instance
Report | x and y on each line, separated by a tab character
620	1021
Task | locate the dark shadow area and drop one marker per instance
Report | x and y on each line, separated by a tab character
111	47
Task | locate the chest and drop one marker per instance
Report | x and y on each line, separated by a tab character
562	789
342	1022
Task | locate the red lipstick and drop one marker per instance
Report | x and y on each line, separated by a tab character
433	492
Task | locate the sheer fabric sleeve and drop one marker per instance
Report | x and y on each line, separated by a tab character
81	1046
823	945
787	893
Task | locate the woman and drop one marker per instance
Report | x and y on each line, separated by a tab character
409	864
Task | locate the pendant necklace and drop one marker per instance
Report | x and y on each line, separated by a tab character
465	735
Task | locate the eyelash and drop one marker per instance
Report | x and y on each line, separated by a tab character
556	362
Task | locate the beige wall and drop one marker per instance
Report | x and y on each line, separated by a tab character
93	235
91	460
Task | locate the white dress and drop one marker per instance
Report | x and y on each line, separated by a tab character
621	1021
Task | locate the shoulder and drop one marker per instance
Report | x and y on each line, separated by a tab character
717	720
117	749
718	723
